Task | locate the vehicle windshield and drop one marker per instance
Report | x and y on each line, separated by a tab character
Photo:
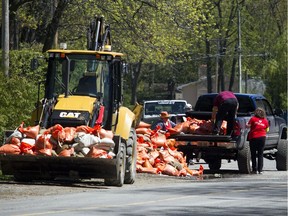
87	76
172	107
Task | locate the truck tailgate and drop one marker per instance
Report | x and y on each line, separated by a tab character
195	137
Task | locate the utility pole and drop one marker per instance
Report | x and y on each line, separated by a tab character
217	66
239	50
5	37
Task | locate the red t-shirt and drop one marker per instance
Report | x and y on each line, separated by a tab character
258	127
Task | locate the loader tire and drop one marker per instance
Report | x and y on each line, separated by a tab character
281	155
131	158
244	159
121	160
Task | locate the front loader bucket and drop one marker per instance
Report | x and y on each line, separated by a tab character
42	166
31	167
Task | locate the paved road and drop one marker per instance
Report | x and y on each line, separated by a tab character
223	193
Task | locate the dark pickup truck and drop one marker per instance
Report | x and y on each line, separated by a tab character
214	148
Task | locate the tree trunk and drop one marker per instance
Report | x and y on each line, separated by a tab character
136	70
233	69
53	26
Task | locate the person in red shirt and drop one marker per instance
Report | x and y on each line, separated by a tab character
259	126
224	104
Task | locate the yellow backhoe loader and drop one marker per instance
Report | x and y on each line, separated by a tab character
84	87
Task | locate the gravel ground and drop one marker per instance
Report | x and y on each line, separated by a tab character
10	189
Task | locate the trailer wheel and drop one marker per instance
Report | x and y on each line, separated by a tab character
244	159
121	160
131	158
214	164
281	155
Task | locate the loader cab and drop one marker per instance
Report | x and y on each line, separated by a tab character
81	82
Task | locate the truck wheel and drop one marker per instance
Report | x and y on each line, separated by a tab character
281	155
244	159
214	165
131	158
120	163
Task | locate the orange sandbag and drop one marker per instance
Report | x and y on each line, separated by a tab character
106	133
45	152
182	172
30	131
85	129
143	130
143	138
66	152
176	154
170	170
150	170
43	142
27	147
54	131
14	140
98	153
160	166
143	125
206	126
171	143
195	172
142	154
56	127
154	154
10	149
102	133
147	164
165	156
159	139
193	128
67	134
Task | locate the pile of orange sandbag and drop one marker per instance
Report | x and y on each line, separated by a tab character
157	154
82	141
196	126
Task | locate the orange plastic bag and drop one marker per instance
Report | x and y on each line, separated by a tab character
54	131
165	156
143	125
97	153
105	133
66	152
45	152
159	139
171	143
43	142
143	130
15	140
30	131
150	170
67	134
10	149
170	170
85	129
27	147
